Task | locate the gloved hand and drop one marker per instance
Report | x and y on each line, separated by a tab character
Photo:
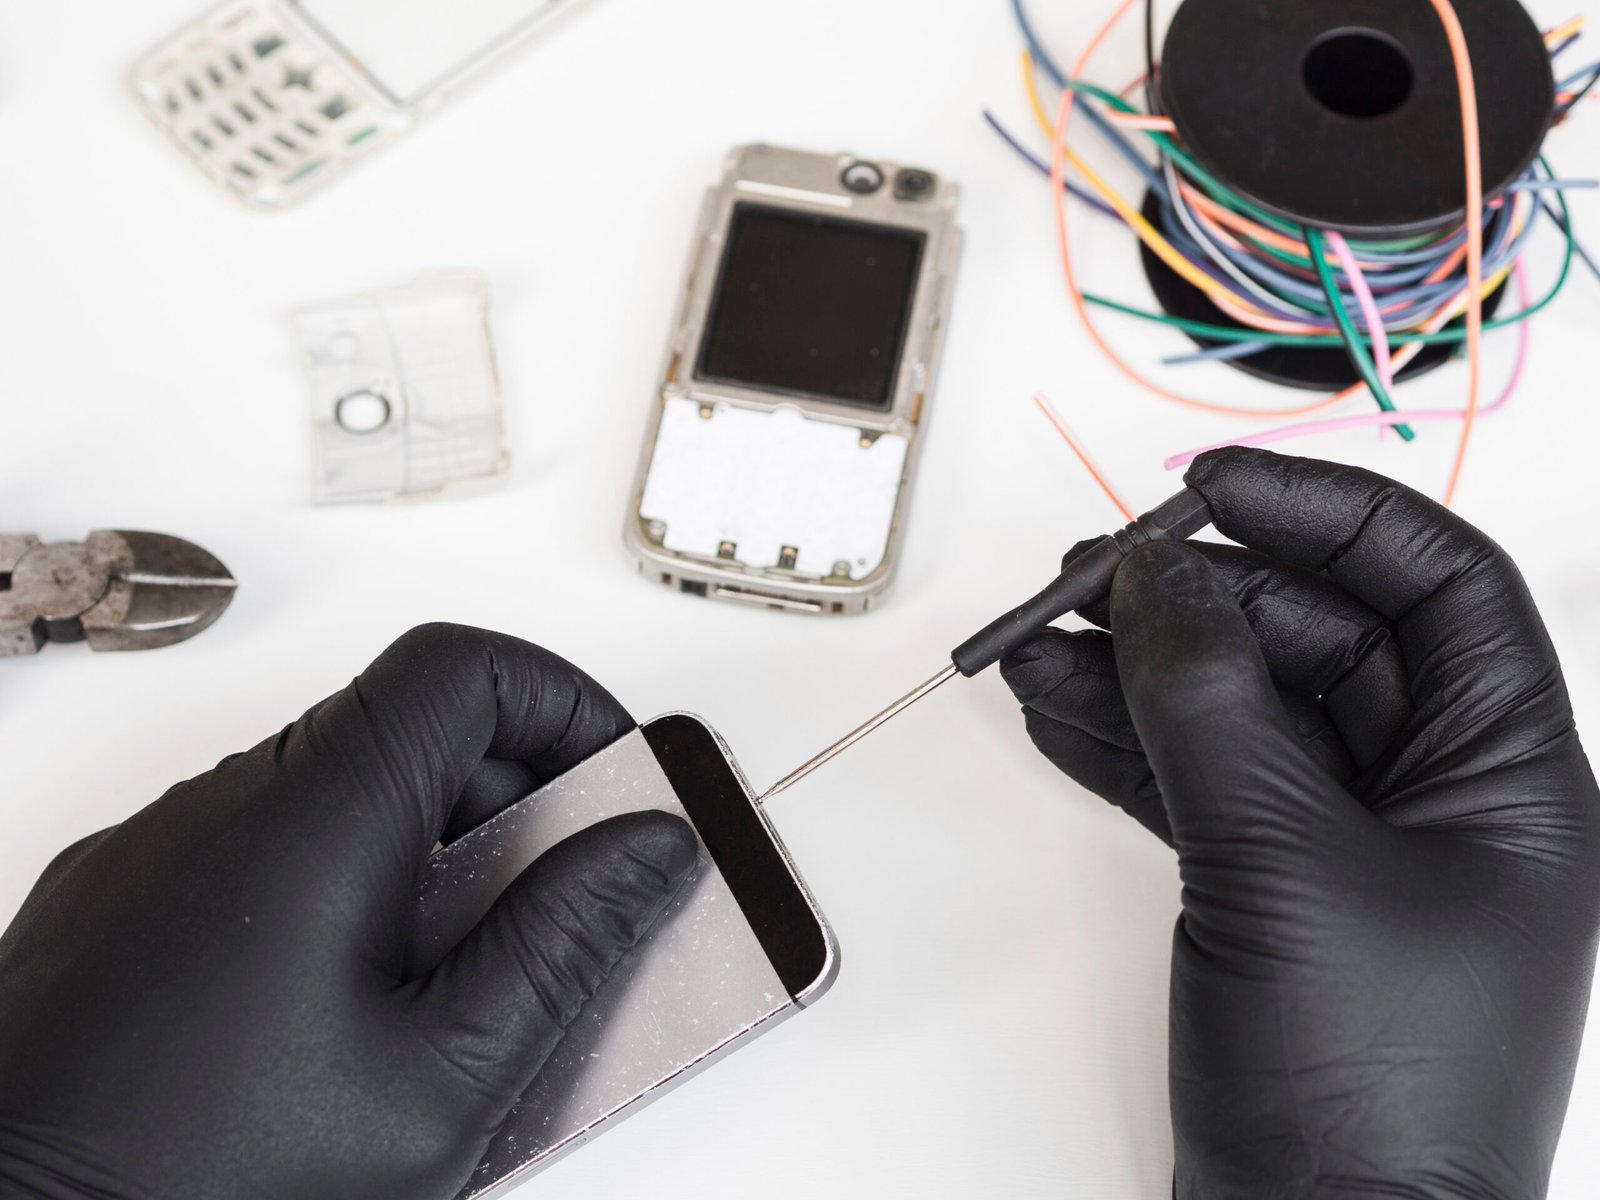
206	1001
1356	735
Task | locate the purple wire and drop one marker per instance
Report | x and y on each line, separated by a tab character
1386	419
1043	168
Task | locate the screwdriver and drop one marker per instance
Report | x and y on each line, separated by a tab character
1084	580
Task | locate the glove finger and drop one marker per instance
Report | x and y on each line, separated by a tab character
1319	737
1121	777
1077	716
1312	631
1098	613
1225	753
1476	649
500	1002
497	784
377	767
1071	678
1320	641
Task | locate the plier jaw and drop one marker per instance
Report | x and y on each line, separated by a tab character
117	590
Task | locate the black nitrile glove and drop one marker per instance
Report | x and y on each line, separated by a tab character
1356	735
206	1002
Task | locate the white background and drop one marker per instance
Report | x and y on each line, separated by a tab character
1000	1025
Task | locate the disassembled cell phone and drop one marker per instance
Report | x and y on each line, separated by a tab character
778	464
273	98
742	948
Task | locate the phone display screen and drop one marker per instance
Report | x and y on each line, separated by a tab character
811	305
733	950
410	46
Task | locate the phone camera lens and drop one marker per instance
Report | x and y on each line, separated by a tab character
862	178
912	184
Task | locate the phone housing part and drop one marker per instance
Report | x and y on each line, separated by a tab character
783	441
742	948
405	392
273	99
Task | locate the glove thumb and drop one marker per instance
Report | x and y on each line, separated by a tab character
1235	778
504	997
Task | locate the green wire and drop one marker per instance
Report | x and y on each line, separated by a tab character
1218	190
1354	342
1445	337
1349	336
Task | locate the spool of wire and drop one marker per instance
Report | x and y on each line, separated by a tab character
1341	191
1342	117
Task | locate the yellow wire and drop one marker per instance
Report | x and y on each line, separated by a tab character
1148	234
1164	249
1561	32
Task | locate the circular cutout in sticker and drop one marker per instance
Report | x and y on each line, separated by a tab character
365	411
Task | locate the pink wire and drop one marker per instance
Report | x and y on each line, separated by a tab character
1381	419
1369	307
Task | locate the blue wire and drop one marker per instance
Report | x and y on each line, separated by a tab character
1554	185
1572	81
1226	352
1566	229
1397	275
1572	39
1231	350
1109	132
1043	167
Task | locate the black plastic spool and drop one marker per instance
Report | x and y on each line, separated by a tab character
1344	114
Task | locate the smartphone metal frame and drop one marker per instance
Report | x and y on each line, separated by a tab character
465	878
800	182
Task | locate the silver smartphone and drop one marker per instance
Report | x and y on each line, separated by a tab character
784	434
743	948
273	99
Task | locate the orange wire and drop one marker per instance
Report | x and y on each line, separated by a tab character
1142	121
1055	418
1064	238
1474	247
1474	159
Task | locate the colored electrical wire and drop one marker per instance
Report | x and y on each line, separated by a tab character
1058	183
1282	285
1368	420
1472	146
1077	447
1039	164
1359	354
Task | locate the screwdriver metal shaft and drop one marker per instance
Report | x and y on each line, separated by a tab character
855	735
1084	579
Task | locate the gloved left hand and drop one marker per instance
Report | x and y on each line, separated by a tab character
207	1001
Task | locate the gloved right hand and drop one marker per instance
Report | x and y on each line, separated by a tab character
1356	735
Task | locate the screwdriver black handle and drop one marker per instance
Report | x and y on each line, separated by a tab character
1084	580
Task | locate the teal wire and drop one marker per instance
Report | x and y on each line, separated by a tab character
1354	343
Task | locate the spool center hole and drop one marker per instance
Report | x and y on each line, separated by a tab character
1358	73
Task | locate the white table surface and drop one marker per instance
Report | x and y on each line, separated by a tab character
1000	1025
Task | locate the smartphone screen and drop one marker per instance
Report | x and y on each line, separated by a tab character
742	947
411	46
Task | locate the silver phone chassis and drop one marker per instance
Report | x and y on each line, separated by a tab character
814	183
698	986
